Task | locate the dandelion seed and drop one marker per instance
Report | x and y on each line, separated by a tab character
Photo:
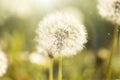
61	33
110	10
3	63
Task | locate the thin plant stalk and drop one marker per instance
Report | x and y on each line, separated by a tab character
60	68
119	42
51	69
113	51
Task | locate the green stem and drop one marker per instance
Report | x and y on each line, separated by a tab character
51	69
113	51
60	68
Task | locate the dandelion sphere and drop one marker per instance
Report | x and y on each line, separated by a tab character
3	63
110	10
61	34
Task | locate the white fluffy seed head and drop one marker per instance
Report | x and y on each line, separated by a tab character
61	34
110	10
3	63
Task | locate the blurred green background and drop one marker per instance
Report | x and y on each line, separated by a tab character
18	22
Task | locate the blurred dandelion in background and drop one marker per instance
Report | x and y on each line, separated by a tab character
110	10
20	8
37	58
3	63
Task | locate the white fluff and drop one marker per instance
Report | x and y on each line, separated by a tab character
110	10
61	33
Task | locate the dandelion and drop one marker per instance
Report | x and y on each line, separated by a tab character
61	34
110	10
38	58
20	8
3	63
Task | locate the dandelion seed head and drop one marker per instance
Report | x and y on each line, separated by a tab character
110	10
3	63
61	33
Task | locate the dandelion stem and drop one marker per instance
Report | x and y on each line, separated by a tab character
51	69
60	68
113	51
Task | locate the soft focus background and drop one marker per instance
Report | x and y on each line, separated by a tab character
18	22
